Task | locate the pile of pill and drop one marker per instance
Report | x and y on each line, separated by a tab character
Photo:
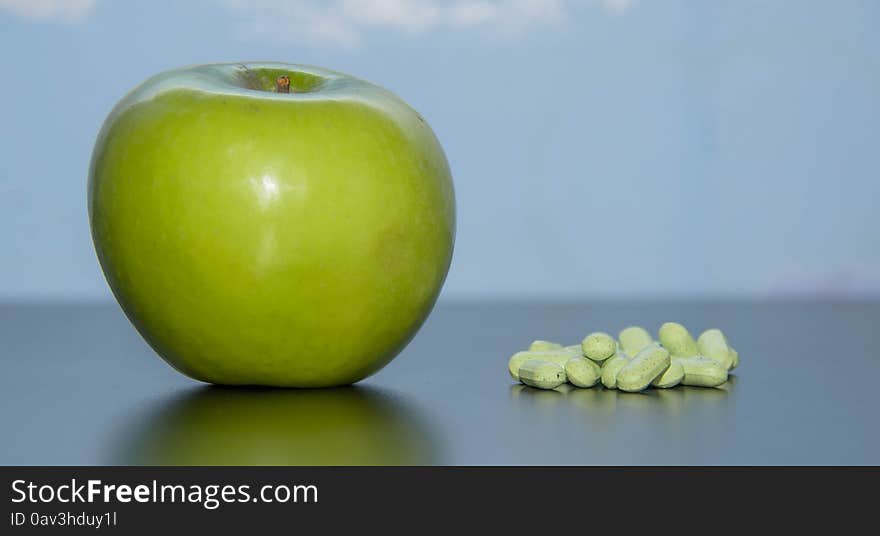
632	363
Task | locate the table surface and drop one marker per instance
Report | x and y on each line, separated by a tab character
79	387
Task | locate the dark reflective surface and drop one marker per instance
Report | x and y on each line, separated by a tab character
226	426
682	425
78	386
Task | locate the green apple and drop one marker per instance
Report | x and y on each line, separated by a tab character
257	237
221	426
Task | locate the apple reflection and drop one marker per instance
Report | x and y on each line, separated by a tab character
228	426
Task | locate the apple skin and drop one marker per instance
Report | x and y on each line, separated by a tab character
262	238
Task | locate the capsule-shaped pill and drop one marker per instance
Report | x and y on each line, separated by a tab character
516	361
541	374
677	339
713	344
599	346
633	339
734	358
560	356
575	350
643	369
611	367
582	372
543	346
554	356
672	377
700	371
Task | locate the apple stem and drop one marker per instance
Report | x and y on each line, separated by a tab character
282	84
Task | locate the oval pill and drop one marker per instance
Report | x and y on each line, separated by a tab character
541	374
543	346
701	371
644	368
734	358
599	346
560	356
677	339
554	356
516	361
633	339
672	377
582	372
713	344
611	367
575	350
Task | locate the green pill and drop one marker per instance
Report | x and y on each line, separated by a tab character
700	371
560	356
516	361
633	339
611	367
599	346
541	374
677	339
713	344
543	346
554	356
643	369
672	377
575	350
582	372
734	358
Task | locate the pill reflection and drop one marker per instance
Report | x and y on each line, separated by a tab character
221	426
598	401
595	400
540	398
671	401
681	425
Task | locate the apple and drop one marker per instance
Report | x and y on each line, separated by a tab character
271	224
222	426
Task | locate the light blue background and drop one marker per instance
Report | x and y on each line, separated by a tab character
601	149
